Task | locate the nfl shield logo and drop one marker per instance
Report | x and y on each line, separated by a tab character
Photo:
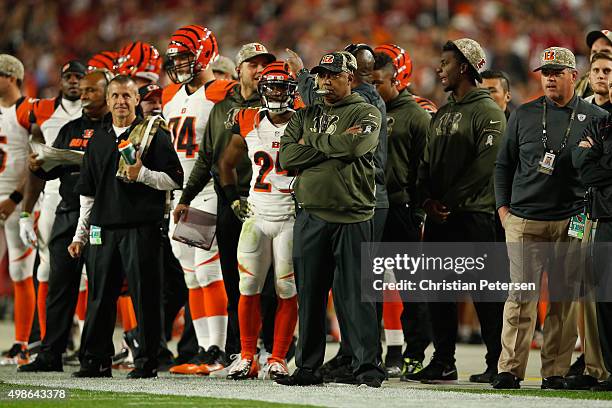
581	117
88	133
327	59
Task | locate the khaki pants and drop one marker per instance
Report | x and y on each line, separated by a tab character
527	265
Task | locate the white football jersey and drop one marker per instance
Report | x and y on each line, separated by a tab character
271	186
14	138
187	116
51	115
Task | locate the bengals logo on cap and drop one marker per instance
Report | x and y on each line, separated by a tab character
549	55
327	59
480	64
259	47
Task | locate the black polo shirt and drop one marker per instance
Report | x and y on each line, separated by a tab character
121	204
518	184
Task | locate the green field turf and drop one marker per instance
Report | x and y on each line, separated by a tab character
103	399
582	395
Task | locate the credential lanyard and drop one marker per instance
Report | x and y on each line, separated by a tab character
545	135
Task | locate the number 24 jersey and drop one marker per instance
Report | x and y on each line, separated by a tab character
270	193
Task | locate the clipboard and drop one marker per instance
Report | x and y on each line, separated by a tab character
196	228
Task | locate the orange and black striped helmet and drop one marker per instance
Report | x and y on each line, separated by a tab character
198	44
401	62
103	60
139	59
277	87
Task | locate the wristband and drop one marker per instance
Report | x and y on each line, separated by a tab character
231	193
25	214
16	197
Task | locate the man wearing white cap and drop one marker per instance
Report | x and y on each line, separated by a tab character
538	193
14	133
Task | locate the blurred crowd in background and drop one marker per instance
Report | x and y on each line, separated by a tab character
46	33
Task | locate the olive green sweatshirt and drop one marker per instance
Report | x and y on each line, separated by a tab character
459	160
407	125
336	166
217	135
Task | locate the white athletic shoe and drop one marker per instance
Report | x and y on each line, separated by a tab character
273	370
223	373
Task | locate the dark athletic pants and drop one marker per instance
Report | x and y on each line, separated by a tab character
464	227
603	265
138	252
64	282
404	226
327	255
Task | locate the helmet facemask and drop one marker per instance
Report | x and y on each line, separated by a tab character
184	71
277	95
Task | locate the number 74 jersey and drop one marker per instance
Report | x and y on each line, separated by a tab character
187	115
270	193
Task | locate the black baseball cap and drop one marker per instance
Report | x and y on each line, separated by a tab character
74	66
339	61
148	91
596	35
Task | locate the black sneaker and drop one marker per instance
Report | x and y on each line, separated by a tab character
484	378
301	377
333	365
370	381
506	381
555	382
139	373
603	386
577	368
120	357
580	382
439	373
342	375
216	360
435	373
411	367
42	363
93	372
393	364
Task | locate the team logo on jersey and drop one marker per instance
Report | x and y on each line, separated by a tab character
276	145
581	117
325	124
88	133
449	123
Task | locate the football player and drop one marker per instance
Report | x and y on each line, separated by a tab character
186	106
266	237
103	60
47	118
403	65
250	62
141	61
14	133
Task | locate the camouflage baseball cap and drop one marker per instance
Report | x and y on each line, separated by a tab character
224	64
252	50
596	35
472	51
339	61
11	66
556	58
